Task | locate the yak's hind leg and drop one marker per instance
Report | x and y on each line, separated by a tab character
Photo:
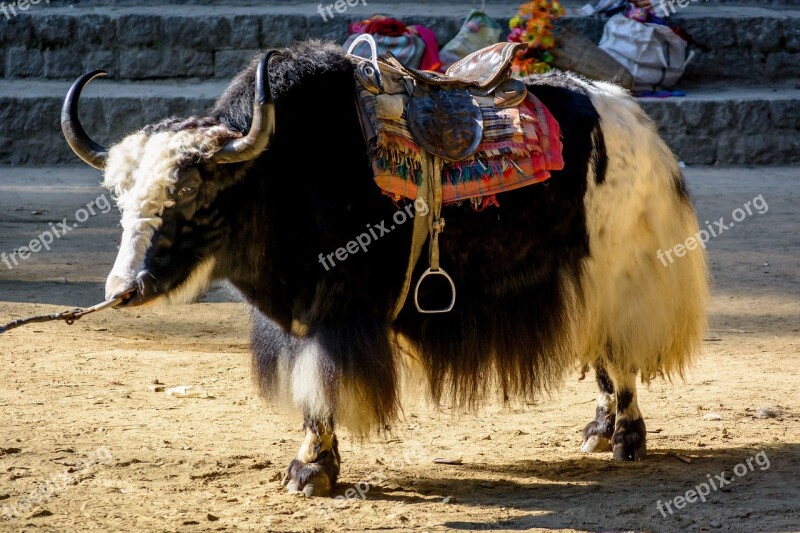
618	423
598	433
629	442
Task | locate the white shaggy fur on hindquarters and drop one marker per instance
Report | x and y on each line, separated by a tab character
652	317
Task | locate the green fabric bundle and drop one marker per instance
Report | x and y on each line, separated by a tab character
478	31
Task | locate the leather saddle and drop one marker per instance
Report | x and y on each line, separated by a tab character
444	115
444	110
482	70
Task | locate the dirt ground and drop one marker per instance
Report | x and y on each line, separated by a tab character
80	415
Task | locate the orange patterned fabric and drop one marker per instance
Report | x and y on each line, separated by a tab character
520	147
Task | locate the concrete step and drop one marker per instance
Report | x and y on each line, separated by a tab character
712	125
753	44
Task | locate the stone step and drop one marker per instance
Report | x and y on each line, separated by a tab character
731	126
712	125
30	112
84	3
753	44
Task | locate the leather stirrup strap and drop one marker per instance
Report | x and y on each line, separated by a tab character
435	221
419	234
430	224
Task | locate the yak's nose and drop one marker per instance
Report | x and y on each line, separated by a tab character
137	291
118	285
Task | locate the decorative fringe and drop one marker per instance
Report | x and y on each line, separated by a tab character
483	202
481	169
398	156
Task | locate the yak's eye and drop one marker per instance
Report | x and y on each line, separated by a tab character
188	183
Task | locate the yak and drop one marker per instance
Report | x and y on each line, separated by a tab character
560	276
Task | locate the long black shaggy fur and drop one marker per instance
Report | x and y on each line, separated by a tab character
509	264
313	191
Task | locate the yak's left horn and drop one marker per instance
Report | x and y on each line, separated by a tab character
262	128
85	148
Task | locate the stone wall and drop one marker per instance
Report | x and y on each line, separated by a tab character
165	59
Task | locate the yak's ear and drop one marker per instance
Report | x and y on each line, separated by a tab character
84	147
262	129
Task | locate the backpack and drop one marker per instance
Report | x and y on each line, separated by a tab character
653	53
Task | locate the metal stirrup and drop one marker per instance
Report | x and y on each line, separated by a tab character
436	227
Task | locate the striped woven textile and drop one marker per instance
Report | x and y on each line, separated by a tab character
520	147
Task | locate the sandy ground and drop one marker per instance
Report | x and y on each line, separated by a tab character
79	415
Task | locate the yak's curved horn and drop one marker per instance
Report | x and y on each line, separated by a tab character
262	129
85	148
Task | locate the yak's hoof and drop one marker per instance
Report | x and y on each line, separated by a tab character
596	443
312	479
597	433
629	440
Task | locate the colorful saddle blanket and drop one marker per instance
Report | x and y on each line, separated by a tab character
520	146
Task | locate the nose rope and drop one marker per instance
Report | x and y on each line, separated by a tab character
69	316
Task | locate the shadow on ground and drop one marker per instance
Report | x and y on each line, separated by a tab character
555	493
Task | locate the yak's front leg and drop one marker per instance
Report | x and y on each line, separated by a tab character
291	366
338	371
316	468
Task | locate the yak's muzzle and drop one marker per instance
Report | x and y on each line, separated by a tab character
138	291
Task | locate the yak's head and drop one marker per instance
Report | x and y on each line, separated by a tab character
166	181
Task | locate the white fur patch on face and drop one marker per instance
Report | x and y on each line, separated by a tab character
136	238
141	172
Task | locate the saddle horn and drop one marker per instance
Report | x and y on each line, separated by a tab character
83	146
262	129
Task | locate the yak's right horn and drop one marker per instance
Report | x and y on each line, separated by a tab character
84	147
262	128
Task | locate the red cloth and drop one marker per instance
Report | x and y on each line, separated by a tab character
379	25
430	60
